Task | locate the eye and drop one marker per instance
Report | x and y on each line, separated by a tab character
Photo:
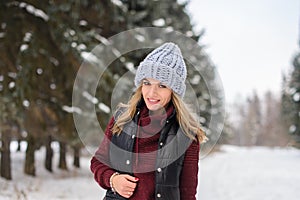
162	86
146	82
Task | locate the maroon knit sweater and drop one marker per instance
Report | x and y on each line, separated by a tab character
147	141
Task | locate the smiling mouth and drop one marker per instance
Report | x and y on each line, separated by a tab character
153	101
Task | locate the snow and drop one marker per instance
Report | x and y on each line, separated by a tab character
296	97
23	47
234	173
104	107
72	109
102	40
72	184
11	85
159	22
83	23
140	38
120	4
130	66
2	35
292	128
12	75
88	56
117	2
250	173
26	103
27	37
90	97
32	10
195	80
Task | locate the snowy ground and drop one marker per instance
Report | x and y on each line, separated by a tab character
235	173
240	173
73	184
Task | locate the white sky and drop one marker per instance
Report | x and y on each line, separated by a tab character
251	42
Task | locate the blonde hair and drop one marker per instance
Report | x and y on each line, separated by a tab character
184	116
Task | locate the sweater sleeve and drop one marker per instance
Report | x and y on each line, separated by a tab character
100	161
189	174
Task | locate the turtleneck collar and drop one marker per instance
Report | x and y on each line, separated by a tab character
152	122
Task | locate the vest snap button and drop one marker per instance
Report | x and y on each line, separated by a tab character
158	195
127	162
161	144
159	169
132	136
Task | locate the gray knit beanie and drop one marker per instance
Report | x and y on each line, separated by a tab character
165	64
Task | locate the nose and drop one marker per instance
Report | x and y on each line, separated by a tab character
152	89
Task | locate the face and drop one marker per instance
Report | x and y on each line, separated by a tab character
156	95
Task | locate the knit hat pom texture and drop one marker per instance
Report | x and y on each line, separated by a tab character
165	64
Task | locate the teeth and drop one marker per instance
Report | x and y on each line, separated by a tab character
153	100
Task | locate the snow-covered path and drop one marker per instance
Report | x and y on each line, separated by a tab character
240	173
235	173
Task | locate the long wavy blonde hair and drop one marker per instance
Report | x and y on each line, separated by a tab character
184	116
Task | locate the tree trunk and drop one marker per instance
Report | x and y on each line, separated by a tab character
19	145
5	156
29	167
76	161
49	154
62	156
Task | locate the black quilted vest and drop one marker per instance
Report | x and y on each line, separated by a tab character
170	155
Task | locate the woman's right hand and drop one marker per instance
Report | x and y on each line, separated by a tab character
124	184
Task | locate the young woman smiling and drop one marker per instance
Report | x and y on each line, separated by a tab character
151	144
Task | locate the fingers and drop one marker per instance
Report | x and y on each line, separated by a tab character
125	184
127	194
131	178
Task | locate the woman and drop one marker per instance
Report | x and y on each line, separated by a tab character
151	145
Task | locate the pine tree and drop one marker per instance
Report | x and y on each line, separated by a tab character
294	99
42	44
290	98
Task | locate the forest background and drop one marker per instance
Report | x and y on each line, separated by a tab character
44	43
